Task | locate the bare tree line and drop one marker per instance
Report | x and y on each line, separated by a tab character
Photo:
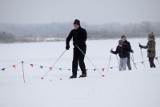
38	32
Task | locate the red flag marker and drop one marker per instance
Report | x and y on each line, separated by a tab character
14	66
103	69
50	68
31	65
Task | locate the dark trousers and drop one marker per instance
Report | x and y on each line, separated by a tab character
151	61
129	63
78	58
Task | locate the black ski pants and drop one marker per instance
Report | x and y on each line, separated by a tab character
78	58
151	61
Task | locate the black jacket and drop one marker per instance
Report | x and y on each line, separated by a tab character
128	45
122	51
79	37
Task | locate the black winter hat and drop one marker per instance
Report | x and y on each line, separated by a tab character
77	22
123	36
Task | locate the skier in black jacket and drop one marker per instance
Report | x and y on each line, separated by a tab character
128	45
122	50
79	36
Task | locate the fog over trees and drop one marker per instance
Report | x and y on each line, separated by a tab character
59	31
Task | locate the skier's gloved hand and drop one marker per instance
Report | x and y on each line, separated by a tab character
111	51
132	51
67	47
140	45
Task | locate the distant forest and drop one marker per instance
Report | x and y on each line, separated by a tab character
59	31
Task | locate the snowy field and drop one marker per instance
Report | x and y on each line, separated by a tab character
136	88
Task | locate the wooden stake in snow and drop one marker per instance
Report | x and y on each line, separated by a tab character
23	71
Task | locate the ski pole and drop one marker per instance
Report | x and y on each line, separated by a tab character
90	61
132	58
109	62
117	60
142	56
53	64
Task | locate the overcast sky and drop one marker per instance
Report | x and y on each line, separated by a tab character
88	11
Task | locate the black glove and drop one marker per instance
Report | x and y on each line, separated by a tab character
111	51
67	47
132	51
140	45
149	51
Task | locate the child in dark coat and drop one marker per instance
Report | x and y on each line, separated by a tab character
122	50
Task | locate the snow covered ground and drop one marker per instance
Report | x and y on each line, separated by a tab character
136	88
